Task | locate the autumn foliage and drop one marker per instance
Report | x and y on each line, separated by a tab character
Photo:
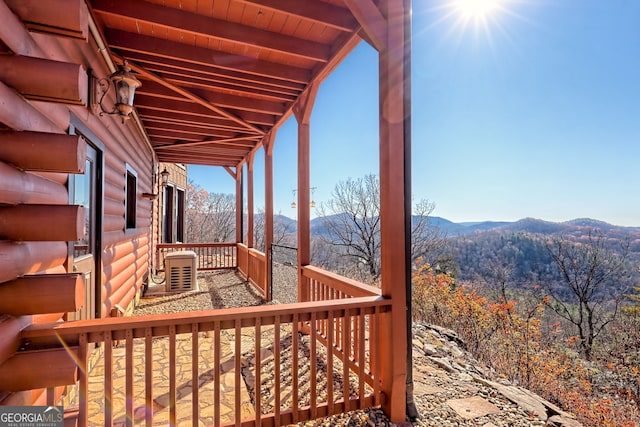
515	339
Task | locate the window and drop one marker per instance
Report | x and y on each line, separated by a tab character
131	191
167	215
180	216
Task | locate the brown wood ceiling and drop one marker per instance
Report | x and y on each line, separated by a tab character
217	75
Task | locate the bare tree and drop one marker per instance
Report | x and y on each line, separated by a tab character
210	217
282	230
351	225
593	275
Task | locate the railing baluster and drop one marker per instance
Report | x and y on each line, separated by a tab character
172	376
83	387
361	356
216	373
276	359
330	331
258	367
294	367
346	345
374	349
312	370
195	381
129	397
148	376
238	366
108	379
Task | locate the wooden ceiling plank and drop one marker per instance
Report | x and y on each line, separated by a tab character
155	127
219	99
211	75
130	42
208	141
216	28
187	94
311	10
150	113
372	21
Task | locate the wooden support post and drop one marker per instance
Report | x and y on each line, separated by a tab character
39	369
19	187
395	204
302	110
250	206
68	18
42	223
268	145
41	294
239	207
44	152
65	83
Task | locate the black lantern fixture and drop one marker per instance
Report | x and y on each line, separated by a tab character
125	85
164	177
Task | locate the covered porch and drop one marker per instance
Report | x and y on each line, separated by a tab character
218	80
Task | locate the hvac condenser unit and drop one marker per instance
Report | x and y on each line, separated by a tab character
180	270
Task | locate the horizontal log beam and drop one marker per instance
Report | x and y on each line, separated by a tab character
39	369
17	187
42	223
67	18
44	152
18	259
45	80
42	294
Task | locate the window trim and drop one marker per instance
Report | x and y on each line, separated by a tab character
130	199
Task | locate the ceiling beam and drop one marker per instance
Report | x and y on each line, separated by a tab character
311	10
180	52
200	25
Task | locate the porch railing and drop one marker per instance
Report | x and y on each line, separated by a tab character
192	368
209	256
252	264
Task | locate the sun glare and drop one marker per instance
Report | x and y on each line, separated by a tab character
477	9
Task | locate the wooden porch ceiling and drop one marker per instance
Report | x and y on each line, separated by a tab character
217	75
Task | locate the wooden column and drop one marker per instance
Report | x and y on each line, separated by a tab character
302	110
250	206
239	208
268	144
395	202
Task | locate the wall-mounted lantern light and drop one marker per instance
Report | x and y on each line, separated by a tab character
125	85
164	178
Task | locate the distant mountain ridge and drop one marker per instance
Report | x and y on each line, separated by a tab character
530	225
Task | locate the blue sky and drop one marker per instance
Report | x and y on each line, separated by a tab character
531	111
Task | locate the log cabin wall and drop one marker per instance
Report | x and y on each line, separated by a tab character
46	128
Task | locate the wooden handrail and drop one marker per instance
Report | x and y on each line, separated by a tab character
348	287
